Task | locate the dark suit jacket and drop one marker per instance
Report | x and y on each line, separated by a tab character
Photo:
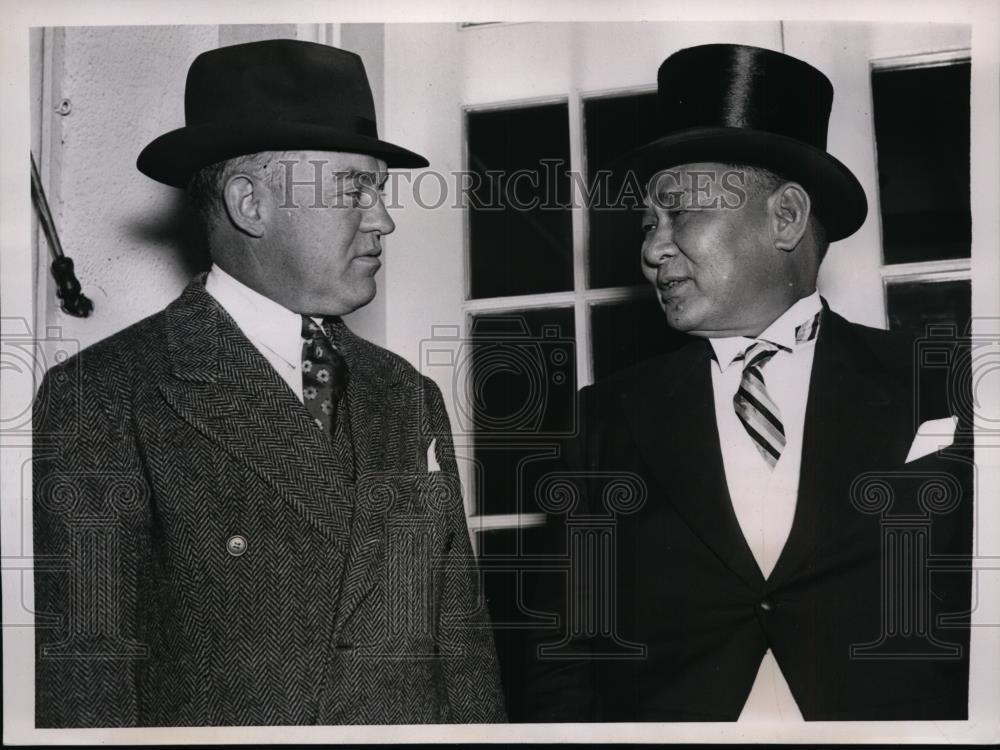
687	589
356	598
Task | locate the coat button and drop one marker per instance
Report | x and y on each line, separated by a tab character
236	545
766	605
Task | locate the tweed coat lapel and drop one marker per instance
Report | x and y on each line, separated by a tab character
221	385
377	413
672	418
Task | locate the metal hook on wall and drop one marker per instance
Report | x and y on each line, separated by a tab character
72	299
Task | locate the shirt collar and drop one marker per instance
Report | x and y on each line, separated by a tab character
260	318
781	332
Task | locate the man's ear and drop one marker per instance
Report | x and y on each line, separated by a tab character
788	215
243	198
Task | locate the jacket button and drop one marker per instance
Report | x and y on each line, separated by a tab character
766	605
236	545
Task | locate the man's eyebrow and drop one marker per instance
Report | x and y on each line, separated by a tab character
370	177
669	198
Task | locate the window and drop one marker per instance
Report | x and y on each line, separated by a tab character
555	300
612	126
921	116
521	244
555	295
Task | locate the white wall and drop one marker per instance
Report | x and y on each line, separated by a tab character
118	226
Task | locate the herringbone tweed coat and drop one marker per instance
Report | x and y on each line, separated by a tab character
353	598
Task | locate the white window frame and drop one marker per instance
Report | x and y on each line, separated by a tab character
581	297
924	272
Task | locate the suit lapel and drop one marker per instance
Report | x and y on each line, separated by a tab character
370	403
672	417
848	414
376	410
221	385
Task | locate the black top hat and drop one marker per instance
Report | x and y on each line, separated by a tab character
275	95
746	105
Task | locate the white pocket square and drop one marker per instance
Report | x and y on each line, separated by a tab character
931	435
432	462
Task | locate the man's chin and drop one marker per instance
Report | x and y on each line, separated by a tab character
681	320
338	305
358	300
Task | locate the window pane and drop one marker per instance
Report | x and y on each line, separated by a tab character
628	332
515	247
922	140
506	594
522	393
612	127
913	305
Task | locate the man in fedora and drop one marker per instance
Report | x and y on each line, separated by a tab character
244	513
797	484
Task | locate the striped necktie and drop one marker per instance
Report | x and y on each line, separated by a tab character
754	406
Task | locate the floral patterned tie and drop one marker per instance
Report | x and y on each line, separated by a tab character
324	376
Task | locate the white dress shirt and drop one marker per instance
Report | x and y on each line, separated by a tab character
274	330
764	498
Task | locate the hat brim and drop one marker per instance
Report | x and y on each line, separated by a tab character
837	196
174	157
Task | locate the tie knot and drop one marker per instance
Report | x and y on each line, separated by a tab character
311	330
758	353
329	331
318	345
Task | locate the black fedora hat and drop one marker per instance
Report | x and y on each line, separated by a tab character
731	103
274	95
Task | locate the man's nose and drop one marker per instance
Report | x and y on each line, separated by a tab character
658	248
377	218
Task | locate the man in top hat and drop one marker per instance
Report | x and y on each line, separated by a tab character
776	564
244	513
